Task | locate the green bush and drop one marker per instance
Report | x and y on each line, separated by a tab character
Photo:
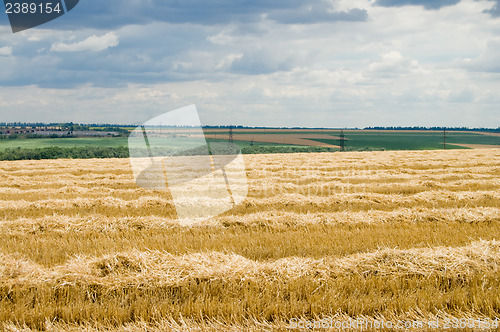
90	152
64	153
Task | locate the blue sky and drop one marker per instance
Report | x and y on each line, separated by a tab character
334	63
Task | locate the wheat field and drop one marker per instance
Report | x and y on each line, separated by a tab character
392	235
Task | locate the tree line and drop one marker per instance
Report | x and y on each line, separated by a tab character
435	128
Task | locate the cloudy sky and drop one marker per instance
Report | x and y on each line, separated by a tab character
328	63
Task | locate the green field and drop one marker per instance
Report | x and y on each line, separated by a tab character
243	144
388	140
412	140
93	141
356	140
36	143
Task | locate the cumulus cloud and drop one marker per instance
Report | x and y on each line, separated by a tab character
488	60
495	10
427	4
393	62
462	96
6	51
261	62
93	43
113	14
317	13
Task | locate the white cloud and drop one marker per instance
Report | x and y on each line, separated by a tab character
6	51
222	38
488	60
228	60
394	62
93	43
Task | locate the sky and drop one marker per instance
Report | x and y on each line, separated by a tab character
286	63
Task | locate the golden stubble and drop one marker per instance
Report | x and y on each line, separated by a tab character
357	234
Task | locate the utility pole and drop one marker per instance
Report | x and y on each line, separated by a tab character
230	135
342	140
444	138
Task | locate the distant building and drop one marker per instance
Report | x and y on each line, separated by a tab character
55	130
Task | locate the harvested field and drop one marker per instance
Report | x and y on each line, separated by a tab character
375	235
